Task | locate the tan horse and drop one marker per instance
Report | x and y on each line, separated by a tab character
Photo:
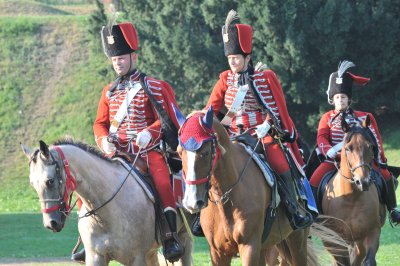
230	190
122	227
353	201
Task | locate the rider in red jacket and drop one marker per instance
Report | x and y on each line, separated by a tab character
330	133
255	99
128	121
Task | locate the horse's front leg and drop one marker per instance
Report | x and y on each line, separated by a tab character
371	246
94	259
250	254
219	258
294	247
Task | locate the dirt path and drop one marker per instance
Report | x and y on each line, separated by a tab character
37	261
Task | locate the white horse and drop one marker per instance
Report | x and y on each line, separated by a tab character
122	226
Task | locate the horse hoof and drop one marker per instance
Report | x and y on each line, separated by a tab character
79	256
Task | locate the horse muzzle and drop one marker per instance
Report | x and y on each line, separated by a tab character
362	184
54	221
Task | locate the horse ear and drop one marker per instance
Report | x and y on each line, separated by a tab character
367	122
345	126
207	120
179	116
27	151
44	149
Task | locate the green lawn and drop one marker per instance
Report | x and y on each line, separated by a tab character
23	238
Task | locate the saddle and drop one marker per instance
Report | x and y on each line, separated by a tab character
376	178
251	142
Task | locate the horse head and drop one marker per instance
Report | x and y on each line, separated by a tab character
198	148
47	179
358	154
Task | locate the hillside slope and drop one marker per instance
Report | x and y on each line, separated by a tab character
50	80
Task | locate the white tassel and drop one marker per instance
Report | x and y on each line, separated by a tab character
343	66
260	66
114	16
232	15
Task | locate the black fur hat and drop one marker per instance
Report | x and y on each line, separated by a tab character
342	81
237	38
119	40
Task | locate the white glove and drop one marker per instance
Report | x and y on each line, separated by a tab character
108	147
262	129
143	139
335	149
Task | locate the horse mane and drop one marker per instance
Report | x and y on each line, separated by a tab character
83	146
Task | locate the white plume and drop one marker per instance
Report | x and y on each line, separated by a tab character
343	66
260	66
232	15
114	16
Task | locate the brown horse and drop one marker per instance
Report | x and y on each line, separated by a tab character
353	201
230	190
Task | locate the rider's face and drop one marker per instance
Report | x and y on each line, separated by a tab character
124	63
238	62
341	101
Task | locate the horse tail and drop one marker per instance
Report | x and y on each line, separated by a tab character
337	245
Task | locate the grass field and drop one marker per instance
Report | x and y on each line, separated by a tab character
23	239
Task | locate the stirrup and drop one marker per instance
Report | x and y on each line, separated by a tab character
174	247
305	221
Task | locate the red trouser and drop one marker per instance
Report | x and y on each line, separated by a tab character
275	156
159	171
325	167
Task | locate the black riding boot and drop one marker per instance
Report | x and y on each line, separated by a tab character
298	220
80	255
196	226
315	194
173	250
394	214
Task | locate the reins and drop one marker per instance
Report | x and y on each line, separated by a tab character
93	212
224	198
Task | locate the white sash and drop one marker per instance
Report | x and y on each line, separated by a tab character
123	109
236	105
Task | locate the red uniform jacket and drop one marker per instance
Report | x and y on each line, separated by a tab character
141	114
330	131
268	87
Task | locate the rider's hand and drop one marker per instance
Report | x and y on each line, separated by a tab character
332	152
108	147
143	139
262	129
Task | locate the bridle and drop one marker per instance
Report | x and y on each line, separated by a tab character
351	179
65	197
64	201
215	154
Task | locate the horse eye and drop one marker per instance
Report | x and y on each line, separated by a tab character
50	182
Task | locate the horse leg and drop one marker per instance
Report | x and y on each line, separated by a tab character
151	258
250	254
94	259
371	243
187	242
219	259
271	256
294	248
